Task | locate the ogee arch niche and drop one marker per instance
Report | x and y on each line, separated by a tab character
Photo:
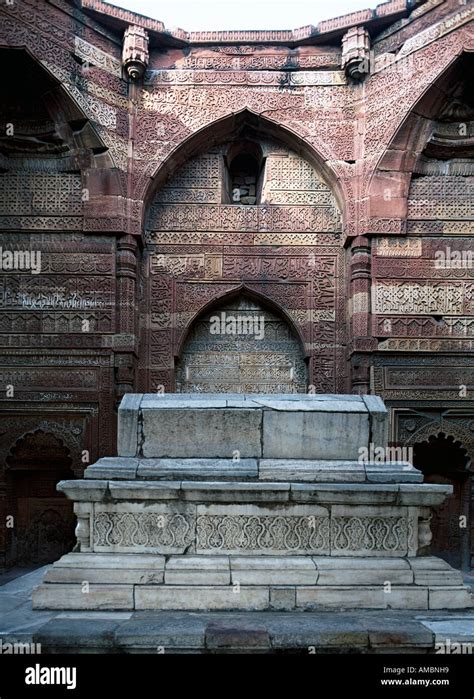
241	346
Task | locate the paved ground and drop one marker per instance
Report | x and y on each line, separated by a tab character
351	631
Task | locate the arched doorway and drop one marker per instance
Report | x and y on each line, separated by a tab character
42	525
241	346
443	460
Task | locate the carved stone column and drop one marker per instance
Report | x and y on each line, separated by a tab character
362	343
125	340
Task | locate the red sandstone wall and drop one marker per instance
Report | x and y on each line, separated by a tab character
124	142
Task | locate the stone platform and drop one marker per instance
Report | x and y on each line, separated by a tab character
363	631
222	502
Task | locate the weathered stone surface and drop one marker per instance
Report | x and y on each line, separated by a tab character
104	576
392	472
77	635
202	433
283	598
161	630
345	493
113	467
248	636
378	419
434	572
362	571
238	492
201	469
144	490
389	634
127	561
127	434
349	597
136	569
84	491
455	597
279	570
421	495
315	471
456	630
201	597
311	404
77	596
197	570
314	435
176	401
400	597
316	631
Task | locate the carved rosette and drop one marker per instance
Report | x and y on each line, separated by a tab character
135	52
356	53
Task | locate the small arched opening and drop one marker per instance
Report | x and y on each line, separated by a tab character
245	164
41	519
442	459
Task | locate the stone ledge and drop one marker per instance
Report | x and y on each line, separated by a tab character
408	494
200	582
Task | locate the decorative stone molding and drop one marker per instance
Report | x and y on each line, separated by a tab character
135	52
356	53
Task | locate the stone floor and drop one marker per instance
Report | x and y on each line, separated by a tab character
342	631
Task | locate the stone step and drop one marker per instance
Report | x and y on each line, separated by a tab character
83	581
247	597
268	470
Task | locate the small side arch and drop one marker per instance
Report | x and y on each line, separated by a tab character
390	181
442	457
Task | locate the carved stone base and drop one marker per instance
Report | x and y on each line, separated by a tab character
187	527
141	581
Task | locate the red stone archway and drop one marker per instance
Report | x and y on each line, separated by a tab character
287	248
224	129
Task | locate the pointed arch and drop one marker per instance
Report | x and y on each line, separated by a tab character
224	128
395	166
71	110
241	342
232	294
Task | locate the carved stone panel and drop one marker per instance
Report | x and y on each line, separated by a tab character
241	347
